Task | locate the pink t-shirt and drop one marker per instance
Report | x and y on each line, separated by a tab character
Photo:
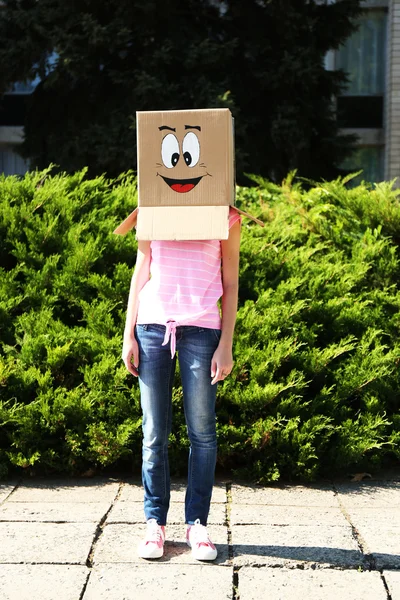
185	285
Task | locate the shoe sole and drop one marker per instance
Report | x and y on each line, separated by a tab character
201	557
155	554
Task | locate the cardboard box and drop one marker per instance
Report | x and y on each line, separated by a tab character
186	175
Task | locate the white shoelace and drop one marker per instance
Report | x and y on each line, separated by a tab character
153	531
199	532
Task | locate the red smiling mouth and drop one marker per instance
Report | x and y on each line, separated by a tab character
182	185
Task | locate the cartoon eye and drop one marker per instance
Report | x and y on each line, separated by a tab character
191	149
170	151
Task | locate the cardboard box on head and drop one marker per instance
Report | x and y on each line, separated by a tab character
186	175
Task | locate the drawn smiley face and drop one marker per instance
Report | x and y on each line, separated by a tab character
185	157
181	158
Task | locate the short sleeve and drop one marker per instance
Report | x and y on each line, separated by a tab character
234	217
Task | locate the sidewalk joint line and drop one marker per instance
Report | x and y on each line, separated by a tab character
39	562
49	522
385	585
81	595
235	571
235	584
100	526
17	485
306	566
228	517
368	557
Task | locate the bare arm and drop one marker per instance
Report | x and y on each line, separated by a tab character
140	276
222	362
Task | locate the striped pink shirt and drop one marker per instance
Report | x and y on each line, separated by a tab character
185	285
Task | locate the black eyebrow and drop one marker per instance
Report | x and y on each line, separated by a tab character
193	127
166	127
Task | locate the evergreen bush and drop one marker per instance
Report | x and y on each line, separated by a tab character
316	384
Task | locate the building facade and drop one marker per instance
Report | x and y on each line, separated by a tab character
369	108
11	129
392	104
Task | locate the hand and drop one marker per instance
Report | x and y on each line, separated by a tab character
130	355
221	363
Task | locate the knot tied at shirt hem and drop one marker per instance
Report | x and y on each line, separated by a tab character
170	335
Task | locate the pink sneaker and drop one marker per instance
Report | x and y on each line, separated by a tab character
197	539
153	544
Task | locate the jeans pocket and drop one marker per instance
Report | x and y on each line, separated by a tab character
151	327
217	334
156	327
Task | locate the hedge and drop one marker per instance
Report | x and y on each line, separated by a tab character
316	384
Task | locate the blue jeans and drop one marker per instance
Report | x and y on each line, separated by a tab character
195	347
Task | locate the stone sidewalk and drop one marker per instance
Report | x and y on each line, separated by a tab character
76	540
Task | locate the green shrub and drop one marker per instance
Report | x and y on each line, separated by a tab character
316	383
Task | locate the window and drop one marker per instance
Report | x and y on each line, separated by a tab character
363	56
368	158
361	105
12	163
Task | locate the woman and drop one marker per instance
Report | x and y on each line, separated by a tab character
173	306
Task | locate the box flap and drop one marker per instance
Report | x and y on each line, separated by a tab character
248	215
128	223
183	223
212	221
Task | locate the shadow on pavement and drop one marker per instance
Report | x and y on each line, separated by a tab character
336	557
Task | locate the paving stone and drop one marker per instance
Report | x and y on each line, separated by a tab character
39	582
133	492
159	581
5	490
66	490
326	584
294	495
118	544
54	511
393	582
379	531
132	512
375	515
383	542
247	514
369	494
288	545
45	542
